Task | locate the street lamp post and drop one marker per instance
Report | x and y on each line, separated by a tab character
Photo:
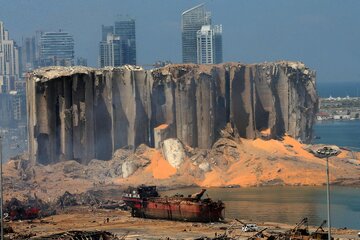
326	152
1	191
328	197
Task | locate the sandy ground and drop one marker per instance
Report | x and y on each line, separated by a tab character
122	224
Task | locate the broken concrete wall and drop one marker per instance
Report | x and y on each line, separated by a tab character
84	113
161	133
195	100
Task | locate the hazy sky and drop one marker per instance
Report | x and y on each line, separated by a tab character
323	34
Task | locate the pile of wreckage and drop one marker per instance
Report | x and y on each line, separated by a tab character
29	209
33	207
70	235
88	235
299	232
88	199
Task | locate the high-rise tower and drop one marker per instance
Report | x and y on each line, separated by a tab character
125	29
9	61
56	48
28	53
218	43
209	44
110	51
191	21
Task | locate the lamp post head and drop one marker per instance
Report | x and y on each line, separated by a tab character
326	151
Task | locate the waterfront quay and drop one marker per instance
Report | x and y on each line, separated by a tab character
346	108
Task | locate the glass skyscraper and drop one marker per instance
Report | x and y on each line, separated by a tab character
118	44
56	48
28	53
125	29
218	44
191	22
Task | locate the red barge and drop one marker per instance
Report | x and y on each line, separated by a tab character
145	202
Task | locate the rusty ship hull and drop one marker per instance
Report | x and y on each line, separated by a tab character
191	209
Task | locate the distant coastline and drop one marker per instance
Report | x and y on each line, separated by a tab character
338	108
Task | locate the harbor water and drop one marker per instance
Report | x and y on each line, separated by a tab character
344	133
287	204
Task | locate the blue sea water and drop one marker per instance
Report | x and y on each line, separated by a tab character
342	133
338	89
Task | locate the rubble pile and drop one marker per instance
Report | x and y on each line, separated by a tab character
88	199
29	209
90	235
68	199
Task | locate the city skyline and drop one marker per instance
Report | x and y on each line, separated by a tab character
275	32
191	22
118	44
201	41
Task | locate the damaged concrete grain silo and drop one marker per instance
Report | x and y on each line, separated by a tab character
84	113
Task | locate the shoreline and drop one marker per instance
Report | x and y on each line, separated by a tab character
122	224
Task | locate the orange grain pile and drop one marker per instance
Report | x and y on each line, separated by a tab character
159	167
343	154
262	161
271	146
297	147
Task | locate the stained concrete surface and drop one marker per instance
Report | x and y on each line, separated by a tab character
80	113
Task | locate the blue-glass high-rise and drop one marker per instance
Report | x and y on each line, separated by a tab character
125	29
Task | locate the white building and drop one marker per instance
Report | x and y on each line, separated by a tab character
110	51
209	44
9	61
